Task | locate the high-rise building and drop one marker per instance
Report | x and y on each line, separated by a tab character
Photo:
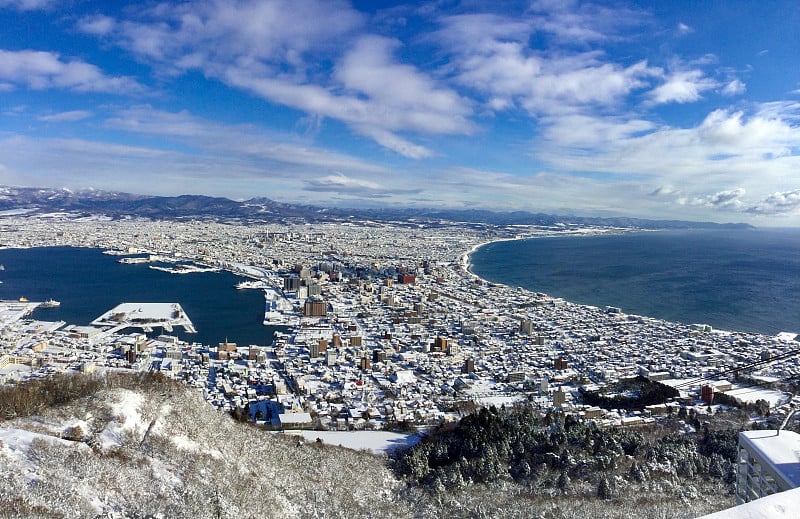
252	354
526	326
469	366
707	394
315	308
291	283
559	397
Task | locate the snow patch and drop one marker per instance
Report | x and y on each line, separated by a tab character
377	442
126	418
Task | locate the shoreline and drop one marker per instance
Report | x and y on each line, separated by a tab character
465	262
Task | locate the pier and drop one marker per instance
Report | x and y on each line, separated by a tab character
146	316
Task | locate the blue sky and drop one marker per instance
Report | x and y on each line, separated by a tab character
684	109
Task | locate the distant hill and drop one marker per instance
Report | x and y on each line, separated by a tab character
119	205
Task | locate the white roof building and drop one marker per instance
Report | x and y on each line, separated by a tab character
769	462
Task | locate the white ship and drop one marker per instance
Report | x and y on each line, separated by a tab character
251	284
50	303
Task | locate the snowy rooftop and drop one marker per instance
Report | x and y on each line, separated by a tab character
782	505
781	450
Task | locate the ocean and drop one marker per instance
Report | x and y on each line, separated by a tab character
88	283
742	280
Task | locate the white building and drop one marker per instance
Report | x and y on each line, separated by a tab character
768	463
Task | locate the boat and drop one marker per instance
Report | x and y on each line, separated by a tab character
50	303
251	284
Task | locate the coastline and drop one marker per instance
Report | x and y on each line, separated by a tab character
466	259
466	263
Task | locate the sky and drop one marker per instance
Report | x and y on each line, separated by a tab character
670	110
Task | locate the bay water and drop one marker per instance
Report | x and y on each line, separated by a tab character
88	283
743	280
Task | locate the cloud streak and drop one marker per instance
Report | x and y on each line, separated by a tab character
40	70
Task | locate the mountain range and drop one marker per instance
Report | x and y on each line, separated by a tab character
31	200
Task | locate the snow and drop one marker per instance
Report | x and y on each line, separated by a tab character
781	450
782	505
377	442
16	444
187	444
499	401
752	394
126	418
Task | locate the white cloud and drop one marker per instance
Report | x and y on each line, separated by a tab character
355	187
729	199
491	55
684	29
223	31
232	140
39	70
28	5
271	48
755	153
734	87
97	25
778	204
70	116
572	22
682	87
395	143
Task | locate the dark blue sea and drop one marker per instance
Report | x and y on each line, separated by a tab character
744	280
88	283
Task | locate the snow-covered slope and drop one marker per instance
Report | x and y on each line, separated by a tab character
156	453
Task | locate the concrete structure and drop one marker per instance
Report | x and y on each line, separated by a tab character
768	462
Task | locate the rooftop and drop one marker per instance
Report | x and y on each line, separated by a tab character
780	449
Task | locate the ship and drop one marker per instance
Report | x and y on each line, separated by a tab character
251	284
50	303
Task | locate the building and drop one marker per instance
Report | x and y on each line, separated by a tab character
439	344
768	463
526	326
406	279
707	394
291	284
559	398
469	366
315	308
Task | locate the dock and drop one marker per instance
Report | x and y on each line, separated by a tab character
146	316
